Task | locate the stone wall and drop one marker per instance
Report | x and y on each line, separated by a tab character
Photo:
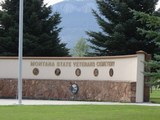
60	89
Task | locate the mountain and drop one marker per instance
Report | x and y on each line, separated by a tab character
77	18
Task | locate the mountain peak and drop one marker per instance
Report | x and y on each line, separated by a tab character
69	6
77	18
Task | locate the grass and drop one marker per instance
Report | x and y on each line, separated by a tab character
79	112
155	96
83	112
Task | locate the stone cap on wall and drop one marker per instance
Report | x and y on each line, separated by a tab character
79	58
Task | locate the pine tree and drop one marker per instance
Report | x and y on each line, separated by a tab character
41	31
118	33
152	31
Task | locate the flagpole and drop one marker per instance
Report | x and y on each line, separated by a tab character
20	52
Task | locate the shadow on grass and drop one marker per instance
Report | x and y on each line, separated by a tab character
155	96
155	100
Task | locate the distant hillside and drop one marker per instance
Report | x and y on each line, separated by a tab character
77	18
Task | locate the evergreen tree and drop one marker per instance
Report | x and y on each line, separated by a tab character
152	31
41	31
119	29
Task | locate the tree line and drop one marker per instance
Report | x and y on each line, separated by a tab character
41	31
118	34
126	26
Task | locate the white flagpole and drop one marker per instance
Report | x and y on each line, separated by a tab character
20	52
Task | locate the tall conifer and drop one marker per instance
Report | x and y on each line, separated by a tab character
118	33
152	31
41	31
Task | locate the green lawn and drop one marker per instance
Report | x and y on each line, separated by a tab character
77	112
83	112
155	96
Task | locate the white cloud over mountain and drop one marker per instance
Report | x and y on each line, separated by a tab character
51	2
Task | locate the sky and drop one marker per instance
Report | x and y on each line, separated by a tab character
158	5
51	2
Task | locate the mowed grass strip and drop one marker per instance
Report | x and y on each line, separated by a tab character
80	112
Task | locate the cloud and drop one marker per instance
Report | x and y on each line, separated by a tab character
51	2
158	5
0	6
